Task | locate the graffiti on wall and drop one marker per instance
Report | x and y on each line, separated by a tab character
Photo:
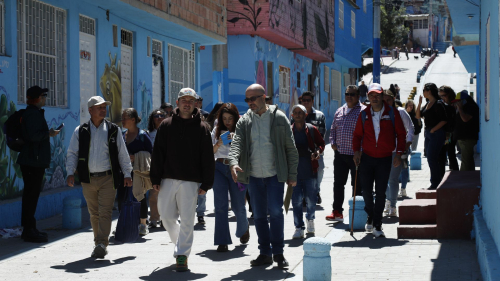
146	104
111	89
250	16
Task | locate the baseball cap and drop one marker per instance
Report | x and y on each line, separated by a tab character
376	88
187	92
35	91
299	106
461	96
97	100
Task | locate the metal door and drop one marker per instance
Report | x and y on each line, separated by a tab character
87	54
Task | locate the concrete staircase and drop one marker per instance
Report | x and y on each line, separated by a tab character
444	213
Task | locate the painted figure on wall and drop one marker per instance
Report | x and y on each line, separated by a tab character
111	89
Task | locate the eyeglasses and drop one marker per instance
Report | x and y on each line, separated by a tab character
43	95
252	99
159	116
307	100
350	94
443	96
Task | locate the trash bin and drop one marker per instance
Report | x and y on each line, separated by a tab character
360	215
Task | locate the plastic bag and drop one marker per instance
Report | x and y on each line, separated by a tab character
127	230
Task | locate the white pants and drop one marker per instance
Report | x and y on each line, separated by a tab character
178	198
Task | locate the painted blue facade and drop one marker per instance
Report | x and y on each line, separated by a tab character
123	15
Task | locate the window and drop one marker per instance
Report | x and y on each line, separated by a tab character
157	49
270	79
353	24
284	96
41	33
181	70
326	78
336	85
364	6
2	28
341	14
425	24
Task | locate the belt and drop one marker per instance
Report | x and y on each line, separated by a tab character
224	161
101	174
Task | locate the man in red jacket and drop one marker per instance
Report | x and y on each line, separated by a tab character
376	135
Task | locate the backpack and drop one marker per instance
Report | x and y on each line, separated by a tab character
13	131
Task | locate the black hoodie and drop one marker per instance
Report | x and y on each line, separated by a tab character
183	151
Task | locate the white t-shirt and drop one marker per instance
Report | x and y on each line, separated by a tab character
223	151
376	121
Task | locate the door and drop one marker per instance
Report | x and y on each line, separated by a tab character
157	81
126	66
87	65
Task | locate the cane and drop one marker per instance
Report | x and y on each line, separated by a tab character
354	199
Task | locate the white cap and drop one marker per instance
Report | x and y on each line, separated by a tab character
97	100
187	92
299	106
375	87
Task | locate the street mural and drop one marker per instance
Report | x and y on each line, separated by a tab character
111	89
251	15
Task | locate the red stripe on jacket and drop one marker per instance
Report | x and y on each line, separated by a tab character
387	137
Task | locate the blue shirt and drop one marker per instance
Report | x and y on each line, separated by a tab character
304	170
142	142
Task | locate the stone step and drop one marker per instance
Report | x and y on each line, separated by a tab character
417	211
417	231
426	194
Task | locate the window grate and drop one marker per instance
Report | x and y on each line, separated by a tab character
41	37
336	85
364	6
87	25
126	37
284	84
2	28
341	14
353	24
157	47
181	70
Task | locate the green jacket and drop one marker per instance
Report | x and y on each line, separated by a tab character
36	150
286	155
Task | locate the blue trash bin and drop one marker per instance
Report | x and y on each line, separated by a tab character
72	212
360	215
416	161
317	263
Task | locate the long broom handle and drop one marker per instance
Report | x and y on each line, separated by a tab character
354	199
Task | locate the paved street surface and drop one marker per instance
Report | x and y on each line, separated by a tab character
362	257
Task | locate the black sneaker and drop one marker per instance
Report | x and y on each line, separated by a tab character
319	199
153	224
262	260
99	252
222	248
32	235
280	259
201	220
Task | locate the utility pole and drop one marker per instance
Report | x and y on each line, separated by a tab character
376	41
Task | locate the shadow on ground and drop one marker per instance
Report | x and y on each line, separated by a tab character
261	273
369	241
169	273
213	255
83	266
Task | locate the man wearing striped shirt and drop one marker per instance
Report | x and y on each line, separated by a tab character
344	123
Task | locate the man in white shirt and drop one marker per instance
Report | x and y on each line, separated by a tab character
98	152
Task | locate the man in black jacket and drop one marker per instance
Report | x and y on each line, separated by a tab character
182	167
34	158
98	152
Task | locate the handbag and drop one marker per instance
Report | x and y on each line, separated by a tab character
127	230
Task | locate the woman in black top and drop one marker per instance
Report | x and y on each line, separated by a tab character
434	115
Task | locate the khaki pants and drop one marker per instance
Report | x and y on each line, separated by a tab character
153	205
467	150
100	196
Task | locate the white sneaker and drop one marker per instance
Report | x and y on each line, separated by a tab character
402	193
393	212
377	231
310	226
143	229
299	233
369	225
387	206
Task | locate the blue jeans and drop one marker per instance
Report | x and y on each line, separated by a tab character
321	171
223	183
304	188
266	195
393	186
433	144
374	170
405	177
202	206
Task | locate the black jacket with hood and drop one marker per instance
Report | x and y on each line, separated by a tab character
183	151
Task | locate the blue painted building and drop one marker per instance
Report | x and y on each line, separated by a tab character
130	52
476	39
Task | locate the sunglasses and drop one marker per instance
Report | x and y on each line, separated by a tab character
306	100
44	95
350	94
159	116
252	99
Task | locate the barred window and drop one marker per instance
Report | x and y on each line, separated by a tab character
181	70
341	14
364	6
41	33
284	85
157	48
336	85
353	24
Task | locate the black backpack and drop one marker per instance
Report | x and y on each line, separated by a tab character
13	131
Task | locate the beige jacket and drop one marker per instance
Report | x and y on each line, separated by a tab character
142	182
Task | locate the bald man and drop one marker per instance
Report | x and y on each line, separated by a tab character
263	156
